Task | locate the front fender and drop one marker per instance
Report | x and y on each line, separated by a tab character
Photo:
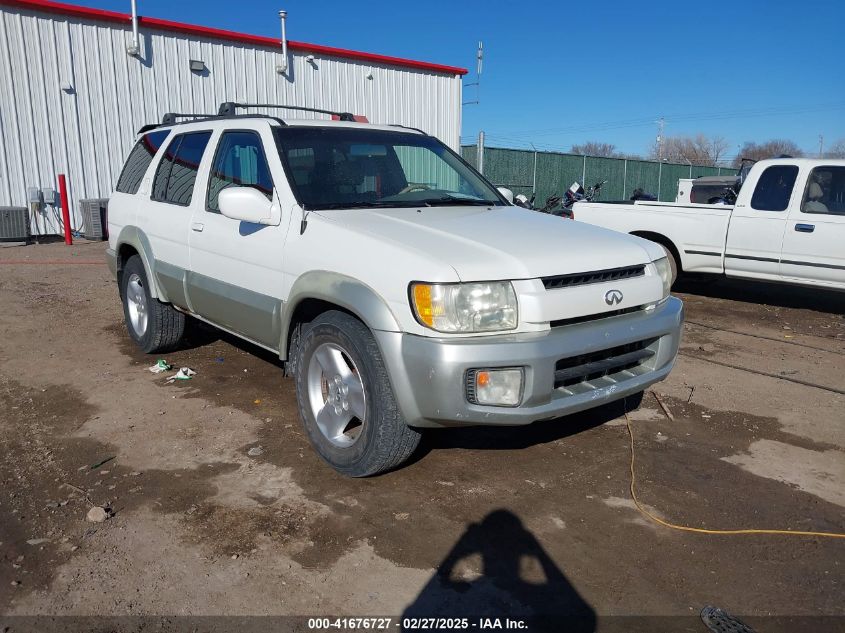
343	291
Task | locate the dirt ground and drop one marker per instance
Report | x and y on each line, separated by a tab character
518	522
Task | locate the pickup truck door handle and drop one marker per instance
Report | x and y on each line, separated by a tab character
197	226
805	228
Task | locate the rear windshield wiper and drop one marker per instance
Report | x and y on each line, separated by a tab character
455	201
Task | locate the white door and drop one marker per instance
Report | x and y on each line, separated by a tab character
169	208
235	278
755	233
814	242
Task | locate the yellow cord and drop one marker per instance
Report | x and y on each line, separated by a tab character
686	528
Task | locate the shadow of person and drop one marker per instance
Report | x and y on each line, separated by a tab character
498	569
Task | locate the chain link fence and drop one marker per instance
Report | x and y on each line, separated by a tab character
551	173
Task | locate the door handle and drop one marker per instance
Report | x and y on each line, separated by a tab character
805	228
197	226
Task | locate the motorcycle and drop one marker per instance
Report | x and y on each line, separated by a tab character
521	200
576	193
729	195
528	203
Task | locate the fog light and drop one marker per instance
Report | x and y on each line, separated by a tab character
495	387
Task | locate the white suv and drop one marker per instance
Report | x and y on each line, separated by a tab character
402	289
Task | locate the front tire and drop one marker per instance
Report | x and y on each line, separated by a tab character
345	399
153	325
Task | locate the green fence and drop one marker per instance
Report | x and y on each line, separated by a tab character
551	173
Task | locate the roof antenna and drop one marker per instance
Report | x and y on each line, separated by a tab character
479	56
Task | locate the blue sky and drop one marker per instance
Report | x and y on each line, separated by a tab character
558	73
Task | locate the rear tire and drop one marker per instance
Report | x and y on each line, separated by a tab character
345	399
153	325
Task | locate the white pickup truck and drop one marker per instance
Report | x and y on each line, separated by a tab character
787	225
402	290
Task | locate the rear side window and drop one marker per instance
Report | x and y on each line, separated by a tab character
774	188
177	171
240	161
139	160
825	191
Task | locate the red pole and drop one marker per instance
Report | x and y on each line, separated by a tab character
65	209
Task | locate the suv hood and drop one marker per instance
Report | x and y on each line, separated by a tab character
484	244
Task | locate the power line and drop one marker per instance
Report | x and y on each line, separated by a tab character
704	116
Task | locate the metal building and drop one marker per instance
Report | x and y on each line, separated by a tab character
74	91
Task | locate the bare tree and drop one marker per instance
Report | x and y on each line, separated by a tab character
697	150
594	148
769	149
837	150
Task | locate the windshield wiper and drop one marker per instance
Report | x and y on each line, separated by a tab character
356	205
448	200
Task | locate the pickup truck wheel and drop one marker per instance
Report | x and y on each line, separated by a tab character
345	399
153	325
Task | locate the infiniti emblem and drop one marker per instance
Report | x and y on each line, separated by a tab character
613	297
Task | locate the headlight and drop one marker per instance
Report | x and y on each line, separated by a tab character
472	307
664	271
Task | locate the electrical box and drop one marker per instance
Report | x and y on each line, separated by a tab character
48	194
33	195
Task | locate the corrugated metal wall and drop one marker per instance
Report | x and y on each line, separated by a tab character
87	132
555	172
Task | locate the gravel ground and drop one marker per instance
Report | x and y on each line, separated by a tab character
219	506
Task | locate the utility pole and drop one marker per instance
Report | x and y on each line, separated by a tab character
661	125
821	145
479	150
479	57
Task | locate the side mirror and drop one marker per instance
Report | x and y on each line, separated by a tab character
507	193
247	204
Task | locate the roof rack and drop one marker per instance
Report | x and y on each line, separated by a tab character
228	108
171	118
408	127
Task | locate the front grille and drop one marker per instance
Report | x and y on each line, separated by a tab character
595	317
595	277
606	366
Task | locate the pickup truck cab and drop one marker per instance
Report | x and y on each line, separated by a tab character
787	225
400	287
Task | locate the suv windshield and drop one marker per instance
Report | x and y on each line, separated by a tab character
335	168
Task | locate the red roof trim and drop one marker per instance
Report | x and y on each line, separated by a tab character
222	34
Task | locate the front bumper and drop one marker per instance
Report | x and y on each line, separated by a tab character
111	261
428	374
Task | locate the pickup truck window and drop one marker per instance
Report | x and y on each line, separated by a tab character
336	168
825	191
240	161
139	160
774	188
177	171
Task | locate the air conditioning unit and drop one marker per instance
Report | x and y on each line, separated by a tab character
14	224
95	218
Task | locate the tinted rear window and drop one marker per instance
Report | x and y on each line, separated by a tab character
139	160
177	172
